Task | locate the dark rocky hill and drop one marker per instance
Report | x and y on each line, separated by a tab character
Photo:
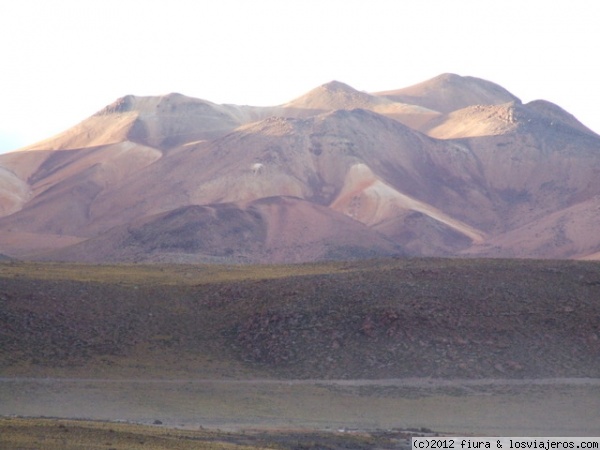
375	319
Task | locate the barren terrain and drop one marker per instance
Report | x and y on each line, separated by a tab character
453	166
493	347
492	407
287	301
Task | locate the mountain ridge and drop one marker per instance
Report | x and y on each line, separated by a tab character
453	166
448	92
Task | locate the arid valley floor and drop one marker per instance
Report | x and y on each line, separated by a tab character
327	355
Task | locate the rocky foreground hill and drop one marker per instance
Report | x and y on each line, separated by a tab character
373	319
453	166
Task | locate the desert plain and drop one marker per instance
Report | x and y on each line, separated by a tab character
364	351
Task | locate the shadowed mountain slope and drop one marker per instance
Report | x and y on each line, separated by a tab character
273	229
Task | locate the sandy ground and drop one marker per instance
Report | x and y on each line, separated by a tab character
546	407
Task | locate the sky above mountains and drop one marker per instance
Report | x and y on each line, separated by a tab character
64	60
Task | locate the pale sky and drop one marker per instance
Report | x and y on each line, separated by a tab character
63	60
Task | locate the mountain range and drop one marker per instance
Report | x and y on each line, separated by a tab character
453	166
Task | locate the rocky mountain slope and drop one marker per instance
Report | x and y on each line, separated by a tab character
451	166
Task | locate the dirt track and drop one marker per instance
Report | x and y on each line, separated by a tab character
542	407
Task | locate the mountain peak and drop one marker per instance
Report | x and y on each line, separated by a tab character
555	113
141	104
337	86
448	77
449	92
336	95
120	105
